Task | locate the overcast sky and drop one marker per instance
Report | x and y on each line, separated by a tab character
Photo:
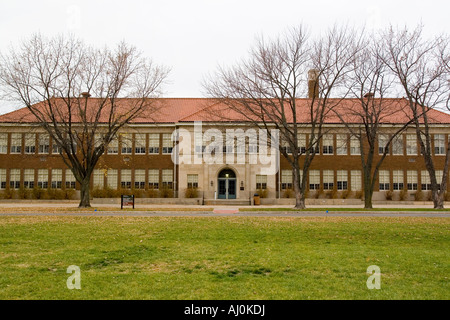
194	36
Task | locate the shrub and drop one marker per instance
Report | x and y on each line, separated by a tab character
191	193
403	195
262	193
166	192
39	193
24	193
288	193
418	196
389	195
69	194
152	193
9	193
138	193
359	195
345	194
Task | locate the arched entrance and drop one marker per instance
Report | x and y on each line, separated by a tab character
226	184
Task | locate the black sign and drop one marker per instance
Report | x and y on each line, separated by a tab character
126	201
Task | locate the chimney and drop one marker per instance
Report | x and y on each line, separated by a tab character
85	94
313	83
369	95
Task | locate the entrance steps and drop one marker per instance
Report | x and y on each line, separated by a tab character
227	202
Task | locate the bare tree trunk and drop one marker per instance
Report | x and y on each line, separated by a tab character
299	192
438	199
85	201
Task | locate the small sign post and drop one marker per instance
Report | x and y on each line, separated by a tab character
126	200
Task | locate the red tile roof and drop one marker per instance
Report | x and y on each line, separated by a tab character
173	110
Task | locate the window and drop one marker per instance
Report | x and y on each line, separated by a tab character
153	178
397	145
139	179
328	179
439	174
261	182
314	180
285	145
112	178
43	178
382	141
2	178
16	143
341	144
411	176
342	180
425	181
439	144
14	178
3	142
327	144
301	143
127	143
355	146
153	143
139	143
167	146
55	148
57	178
383	177
44	143
98	140
28	178
98	178
30	143
356	180
167	178
200	146
411	145
125	178
397	180
113	146
192	180
286	179
70	179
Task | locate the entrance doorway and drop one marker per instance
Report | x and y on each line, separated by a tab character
226	184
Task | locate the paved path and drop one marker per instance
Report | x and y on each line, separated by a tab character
220	213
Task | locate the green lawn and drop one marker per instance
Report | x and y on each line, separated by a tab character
224	257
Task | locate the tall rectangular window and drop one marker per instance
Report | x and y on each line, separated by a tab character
192	180
3	142
341	144
425	181
43	178
2	178
30	143
167	143
139	179
153	143
286	179
139	143
261	181
356	180
382	141
16	143
397	180
327	144
328	179
127	143
98	178
14	178
44	143
411	144
342	179
301	142
439	174
70	179
113	146
153	179
411	176
112	178
285	145
125	178
439	144
57	178
397	145
28	178
167	178
314	179
55	148
384	179
355	146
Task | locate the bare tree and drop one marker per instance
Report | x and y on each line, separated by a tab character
423	78
265	91
80	95
370	84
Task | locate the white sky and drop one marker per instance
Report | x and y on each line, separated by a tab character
194	36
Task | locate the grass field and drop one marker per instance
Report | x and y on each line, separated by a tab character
224	257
